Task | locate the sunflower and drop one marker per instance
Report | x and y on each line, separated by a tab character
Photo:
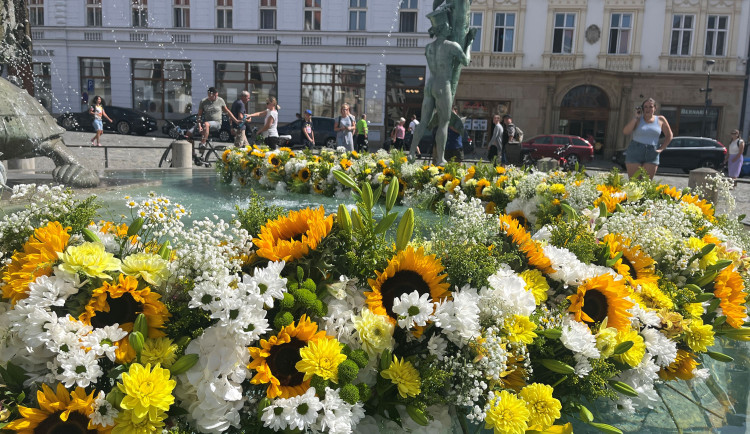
59	411
534	253
319	186
274	160
602	297
36	258
304	174
729	288
275	359
292	236
410	270
481	185
225	155
706	207
682	367
634	265
257	173
121	303
669	191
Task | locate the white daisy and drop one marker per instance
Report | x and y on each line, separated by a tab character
437	346
413	309
272	416
104	413
661	348
270	282
301	411
577	337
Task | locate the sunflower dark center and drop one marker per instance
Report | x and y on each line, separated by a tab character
297	237
282	360
520	218
121	310
631	268
402	282
595	305
76	423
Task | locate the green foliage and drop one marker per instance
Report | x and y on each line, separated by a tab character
433	384
257	214
319	384
364	391
287	302
594	385
349	393
186	321
283	319
348	371
359	357
469	263
575	236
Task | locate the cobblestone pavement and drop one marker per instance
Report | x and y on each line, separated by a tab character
143	152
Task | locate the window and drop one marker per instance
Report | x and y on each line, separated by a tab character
312	14
565	25
257	78
504	32
716	35
95	79
357	14
682	33
476	23
223	14
404	90
162	88
140	13
94	13
407	16
326	86
43	84
182	13
619	33
267	14
692	120
36	12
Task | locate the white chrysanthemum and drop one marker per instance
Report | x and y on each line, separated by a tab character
272	420
661	348
375	332
506	296
577	337
413	309
437	346
270	282
568	269
525	207
78	368
643	316
459	318
104	413
48	291
301	411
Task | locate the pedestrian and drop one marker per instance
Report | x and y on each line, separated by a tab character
496	141
308	136
209	114
398	134
410	131
97	110
511	133
344	126
733	157
644	150
454	149
239	110
361	130
270	124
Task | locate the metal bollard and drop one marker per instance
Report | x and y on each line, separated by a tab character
699	178
182	154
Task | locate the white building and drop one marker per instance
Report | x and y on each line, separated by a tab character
571	66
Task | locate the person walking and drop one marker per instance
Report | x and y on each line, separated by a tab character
734	158
496	141
344	126
398	134
644	150
510	133
239	110
410	131
271	123
361	130
308	135
97	110
454	148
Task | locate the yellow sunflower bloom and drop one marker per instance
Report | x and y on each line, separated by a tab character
634	265
35	259
521	238
682	367
508	414
276	358
730	289
405	376
602	297
59	411
294	235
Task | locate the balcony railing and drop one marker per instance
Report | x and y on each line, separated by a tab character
356	41
181	38
138	37
311	40
406	42
92	36
223	39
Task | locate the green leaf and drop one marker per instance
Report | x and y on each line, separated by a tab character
346	180
623	388
378	192
704	296
603	427
558	366
417	415
551	333
405	230
385	360
721	357
89	235
391	196
135	226
719	265
623	347
385	223
603	210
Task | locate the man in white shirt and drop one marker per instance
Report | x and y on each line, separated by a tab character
496	142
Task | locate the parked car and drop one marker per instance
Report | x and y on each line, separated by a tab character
322	130
688	153
124	121
545	145
224	133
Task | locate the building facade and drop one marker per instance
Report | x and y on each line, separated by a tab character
566	66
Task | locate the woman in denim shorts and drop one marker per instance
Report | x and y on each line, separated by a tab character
97	110
644	148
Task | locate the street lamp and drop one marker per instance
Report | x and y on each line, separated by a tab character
709	68
278	44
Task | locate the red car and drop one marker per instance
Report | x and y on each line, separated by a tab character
545	145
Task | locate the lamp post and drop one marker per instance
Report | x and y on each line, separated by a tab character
278	44
709	67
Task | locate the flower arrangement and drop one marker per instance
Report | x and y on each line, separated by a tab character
538	294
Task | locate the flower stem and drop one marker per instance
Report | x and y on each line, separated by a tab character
669	410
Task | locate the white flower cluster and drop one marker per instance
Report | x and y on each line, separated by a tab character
506	296
569	269
308	412
468	221
161	216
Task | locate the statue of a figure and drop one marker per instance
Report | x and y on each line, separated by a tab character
445	58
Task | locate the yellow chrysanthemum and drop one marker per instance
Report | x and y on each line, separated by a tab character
321	358
673	324
634	265
536	283
634	355
697	244
275	359
90	259
699	336
650	296
520	329
610	197
694	310
410	270
148	266
148	392
375	331
125	424
292	236
470	172
405	376
682	367
533	251
602	297
121	303
508	414
35	259
557	188
730	289
159	351
544	410
606	341
59	411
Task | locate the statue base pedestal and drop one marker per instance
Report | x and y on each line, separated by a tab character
22	164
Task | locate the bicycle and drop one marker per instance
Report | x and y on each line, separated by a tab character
207	153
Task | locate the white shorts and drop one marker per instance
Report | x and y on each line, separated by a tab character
211	125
